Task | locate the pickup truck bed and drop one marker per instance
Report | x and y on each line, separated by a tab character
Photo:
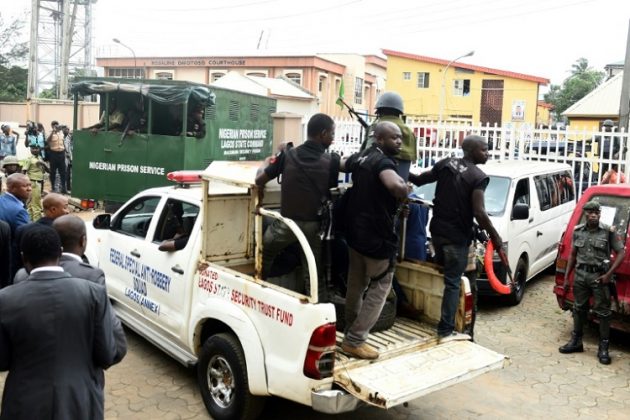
411	363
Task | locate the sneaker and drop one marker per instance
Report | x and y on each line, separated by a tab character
363	351
454	336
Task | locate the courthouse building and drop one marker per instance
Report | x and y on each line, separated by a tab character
320	75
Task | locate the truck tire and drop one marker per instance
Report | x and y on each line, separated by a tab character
518	289
385	320
222	379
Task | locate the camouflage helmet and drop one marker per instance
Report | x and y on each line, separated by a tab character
591	206
10	160
608	123
390	100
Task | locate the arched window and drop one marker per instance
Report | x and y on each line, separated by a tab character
294	77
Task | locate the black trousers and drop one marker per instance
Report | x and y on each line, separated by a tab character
57	162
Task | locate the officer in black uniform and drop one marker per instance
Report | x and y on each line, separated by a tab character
592	244
307	174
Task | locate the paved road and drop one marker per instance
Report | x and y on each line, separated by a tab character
539	382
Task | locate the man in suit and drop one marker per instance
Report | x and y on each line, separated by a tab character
55	205
73	236
12	202
56	337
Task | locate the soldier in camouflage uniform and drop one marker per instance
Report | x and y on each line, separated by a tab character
592	244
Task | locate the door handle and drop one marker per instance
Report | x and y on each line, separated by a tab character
538	233
531	219
177	269
135	253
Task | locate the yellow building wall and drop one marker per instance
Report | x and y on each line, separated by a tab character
425	102
543	116
588	124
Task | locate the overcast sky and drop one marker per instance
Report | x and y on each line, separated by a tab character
538	37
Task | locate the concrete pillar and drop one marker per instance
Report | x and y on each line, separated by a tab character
287	126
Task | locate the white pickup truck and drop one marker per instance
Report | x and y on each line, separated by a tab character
205	305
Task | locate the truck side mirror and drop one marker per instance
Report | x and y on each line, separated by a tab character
520	212
102	221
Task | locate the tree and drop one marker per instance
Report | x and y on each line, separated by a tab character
583	80
13	78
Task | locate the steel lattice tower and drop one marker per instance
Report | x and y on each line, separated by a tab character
53	29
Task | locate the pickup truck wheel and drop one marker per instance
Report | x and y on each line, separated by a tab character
385	320
222	378
518	290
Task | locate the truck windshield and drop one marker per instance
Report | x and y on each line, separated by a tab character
494	199
615	211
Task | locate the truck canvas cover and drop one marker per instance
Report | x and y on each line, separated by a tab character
172	94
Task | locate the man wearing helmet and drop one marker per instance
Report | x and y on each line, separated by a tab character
389	107
10	165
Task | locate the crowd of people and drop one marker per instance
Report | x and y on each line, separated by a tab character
55	354
51	157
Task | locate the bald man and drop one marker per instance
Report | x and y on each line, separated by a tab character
73	236
71	230
377	191
459	197
55	205
12	202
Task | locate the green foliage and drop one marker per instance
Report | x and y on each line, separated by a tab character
582	81
13	83
13	79
50	93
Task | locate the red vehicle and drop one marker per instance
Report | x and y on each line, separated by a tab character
614	200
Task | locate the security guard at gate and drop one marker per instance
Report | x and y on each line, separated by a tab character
592	244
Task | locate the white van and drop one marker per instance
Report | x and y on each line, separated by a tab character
529	204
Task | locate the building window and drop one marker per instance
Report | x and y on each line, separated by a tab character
320	85
126	73
216	76
406	75
257	74
423	80
294	77
358	90
461	87
164	75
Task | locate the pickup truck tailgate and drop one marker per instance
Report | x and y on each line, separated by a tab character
410	369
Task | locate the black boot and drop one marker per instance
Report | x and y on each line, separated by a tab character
602	352
574	345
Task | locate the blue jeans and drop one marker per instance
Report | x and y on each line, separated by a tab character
453	258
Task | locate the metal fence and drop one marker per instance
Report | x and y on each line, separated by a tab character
590	153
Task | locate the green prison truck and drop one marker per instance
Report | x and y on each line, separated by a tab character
149	128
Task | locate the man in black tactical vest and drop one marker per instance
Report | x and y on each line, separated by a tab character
459	197
373	204
307	174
